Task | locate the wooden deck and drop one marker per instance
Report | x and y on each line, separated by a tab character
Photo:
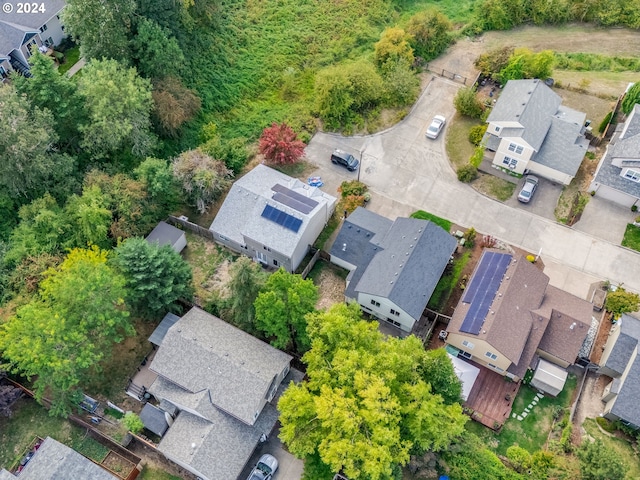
491	398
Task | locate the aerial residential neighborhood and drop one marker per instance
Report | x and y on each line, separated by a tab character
319	241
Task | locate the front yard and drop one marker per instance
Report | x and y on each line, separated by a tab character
631	237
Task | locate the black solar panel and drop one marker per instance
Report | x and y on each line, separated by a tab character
483	288
281	218
288	197
292	202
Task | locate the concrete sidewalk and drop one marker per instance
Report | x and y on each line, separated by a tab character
406	172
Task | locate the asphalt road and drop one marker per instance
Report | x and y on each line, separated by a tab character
405	172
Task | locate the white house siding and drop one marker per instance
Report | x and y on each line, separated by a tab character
404	321
479	351
26	51
54	31
549	173
522	158
258	252
341	263
613	195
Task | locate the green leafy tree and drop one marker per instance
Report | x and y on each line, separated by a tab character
621	301
103	28
246	280
60	337
156	277
28	162
393	46
202	177
492	62
500	14
526	64
155	51
118	104
519	458
89	219
281	308
467	103
631	98
430	33
47	89
401	84
132	422
173	105
161	186
368	401
470	459
600	462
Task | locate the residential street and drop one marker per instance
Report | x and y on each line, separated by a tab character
406	172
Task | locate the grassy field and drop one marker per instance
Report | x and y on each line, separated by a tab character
30	420
494	187
631	237
532	432
71	57
623	447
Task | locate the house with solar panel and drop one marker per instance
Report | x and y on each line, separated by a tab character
272	218
621	361
510	320
394	266
529	129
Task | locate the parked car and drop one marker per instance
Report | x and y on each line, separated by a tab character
528	189
437	124
345	159
265	468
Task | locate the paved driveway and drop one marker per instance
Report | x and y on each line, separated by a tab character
544	200
289	467
406	172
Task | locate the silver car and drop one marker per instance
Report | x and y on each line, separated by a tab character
528	189
266	467
437	124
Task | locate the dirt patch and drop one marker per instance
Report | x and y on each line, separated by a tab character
156	460
330	288
221	279
590	404
117	464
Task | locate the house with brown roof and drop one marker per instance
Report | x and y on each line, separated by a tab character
510	320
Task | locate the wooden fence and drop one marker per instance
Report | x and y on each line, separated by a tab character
312	262
184	223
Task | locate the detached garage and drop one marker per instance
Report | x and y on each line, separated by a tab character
549	378
165	234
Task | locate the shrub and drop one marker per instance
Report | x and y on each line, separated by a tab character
352	187
488	241
478	155
519	458
470	237
467	103
393	46
351	202
631	98
477	132
429	32
280	145
467	173
401	84
565	439
492	62
132	422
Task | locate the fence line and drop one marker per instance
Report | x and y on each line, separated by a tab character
311	263
193	227
456	77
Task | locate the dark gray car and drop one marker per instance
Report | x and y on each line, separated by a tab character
345	159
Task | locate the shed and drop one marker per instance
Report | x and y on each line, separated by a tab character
161	330
549	378
154	419
165	234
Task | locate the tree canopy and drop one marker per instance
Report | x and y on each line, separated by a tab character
281	307
600	462
620	301
60	337
370	400
279	144
155	276
631	98
430	33
246	280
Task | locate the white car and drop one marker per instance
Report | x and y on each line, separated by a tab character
266	467
437	124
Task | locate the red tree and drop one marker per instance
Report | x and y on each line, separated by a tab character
279	144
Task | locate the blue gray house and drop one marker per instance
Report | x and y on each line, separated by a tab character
621	362
530	130
394	267
618	175
22	32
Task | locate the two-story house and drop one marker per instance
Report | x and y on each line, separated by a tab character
530	131
26	28
617	177
510	320
217	382
394	267
272	218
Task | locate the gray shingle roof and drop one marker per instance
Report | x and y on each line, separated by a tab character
406	271
153	419
530	103
161	330
625	144
626	404
625	345
219	449
218	363
55	461
14	25
165	234
564	146
240	214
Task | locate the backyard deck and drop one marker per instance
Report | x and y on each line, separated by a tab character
491	398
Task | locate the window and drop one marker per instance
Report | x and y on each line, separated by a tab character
43	28
397	324
469	345
266	248
374	303
393	312
466	354
275	262
497	128
492	356
632	175
496	368
514	147
510	162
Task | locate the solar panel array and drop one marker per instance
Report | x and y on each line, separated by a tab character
281	218
483	288
292	199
